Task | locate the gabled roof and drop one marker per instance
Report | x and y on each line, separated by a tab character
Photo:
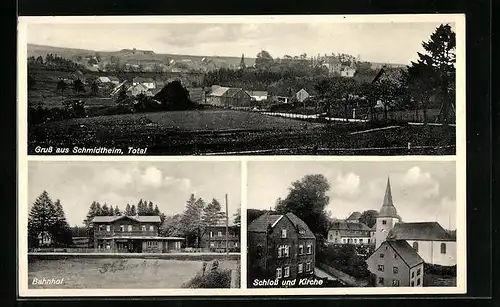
257	93
349	226
370	76
137	218
113	78
218	91
103	79
426	231
405	252
354	216
264	221
139	87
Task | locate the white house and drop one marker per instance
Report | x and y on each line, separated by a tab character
429	239
347	72
149	83
258	95
302	95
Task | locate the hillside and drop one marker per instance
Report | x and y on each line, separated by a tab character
132	55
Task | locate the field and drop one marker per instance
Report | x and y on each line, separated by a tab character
110	273
237	132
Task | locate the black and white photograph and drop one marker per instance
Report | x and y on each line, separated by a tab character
354	224
244	85
133	225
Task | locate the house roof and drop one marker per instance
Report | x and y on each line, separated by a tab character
233	91
138	87
143	80
257	93
354	216
349	226
264	221
103	79
426	231
113	78
405	252
367	76
218	91
137	218
388	209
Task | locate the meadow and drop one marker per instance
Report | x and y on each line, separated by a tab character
112	273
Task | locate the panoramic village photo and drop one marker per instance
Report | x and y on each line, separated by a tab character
133	225
257	87
351	224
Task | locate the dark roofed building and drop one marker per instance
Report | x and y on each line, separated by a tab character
280	247
229	97
131	234
354	217
214	237
428	231
396	264
348	232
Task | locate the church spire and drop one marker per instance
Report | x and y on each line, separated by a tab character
388	209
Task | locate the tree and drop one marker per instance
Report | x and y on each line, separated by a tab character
127	210
264	60
212	213
156	211
150	210
94	88
438	63
307	199
142	207
61	231
192	217
172	226
117	211
61	86
105	209
78	86
133	211
237	218
31	82
242	62
369	217
174	96
42	216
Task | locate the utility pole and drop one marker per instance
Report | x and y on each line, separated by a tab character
227	229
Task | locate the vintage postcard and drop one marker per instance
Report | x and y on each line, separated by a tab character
243	85
131	225
353	224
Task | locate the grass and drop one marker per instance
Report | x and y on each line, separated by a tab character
209	131
125	273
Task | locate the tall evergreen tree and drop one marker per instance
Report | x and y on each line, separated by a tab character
117	211
105	209
150	210
61	230
127	210
242	62
42	216
133	211
212	213
192	218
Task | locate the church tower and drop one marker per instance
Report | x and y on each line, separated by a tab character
387	217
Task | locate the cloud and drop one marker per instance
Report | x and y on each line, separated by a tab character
113	178
347	185
423	182
152	177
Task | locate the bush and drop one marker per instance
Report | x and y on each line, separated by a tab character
435	269
212	277
346	259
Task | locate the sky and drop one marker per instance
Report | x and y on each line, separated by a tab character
421	191
396	43
168	184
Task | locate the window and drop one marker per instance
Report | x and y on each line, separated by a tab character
418	272
283	233
130	228
412	274
152	244
395	270
100	227
384	222
395	256
211	234
301	249
360	240
309	249
286	250
418	281
300	268
122	228
143	227
278	273
302	231
415	246
381	255
308	266
336	240
412	284
219	233
235	244
331	237
380	280
212	244
151	228
395	283
381	267
337	232
355	240
108	228
286	272
344	241
443	248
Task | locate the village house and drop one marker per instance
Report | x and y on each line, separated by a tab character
214	238
44	239
148	83
349	231
132	234
281	246
196	94
396	264
258	95
302	95
229	97
430	240
137	89
347	72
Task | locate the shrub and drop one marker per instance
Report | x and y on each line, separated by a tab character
212	277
